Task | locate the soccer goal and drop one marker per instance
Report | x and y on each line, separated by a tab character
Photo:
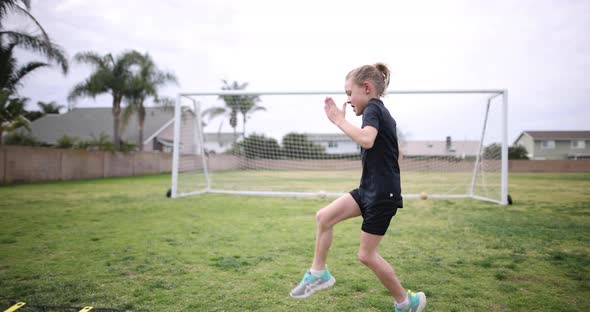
453	144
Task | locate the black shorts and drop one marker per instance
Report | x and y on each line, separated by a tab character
377	216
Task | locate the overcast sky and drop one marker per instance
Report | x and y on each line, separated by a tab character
537	49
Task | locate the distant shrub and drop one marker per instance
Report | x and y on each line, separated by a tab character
21	138
494	150
66	142
104	143
517	152
127	147
259	146
297	146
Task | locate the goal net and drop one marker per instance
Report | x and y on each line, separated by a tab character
453	144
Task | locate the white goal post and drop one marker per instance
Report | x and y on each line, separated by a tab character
453	144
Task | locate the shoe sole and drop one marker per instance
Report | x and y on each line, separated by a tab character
325	285
422	304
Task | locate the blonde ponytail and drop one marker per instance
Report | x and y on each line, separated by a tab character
378	74
384	70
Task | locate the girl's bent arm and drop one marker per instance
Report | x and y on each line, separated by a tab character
365	137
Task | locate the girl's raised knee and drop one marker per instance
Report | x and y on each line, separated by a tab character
321	219
365	258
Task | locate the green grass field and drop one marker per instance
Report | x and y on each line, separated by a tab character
339	181
120	243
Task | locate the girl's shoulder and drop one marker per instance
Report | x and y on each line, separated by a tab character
376	101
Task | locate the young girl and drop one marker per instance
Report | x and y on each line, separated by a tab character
379	194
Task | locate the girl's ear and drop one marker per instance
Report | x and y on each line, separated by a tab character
367	87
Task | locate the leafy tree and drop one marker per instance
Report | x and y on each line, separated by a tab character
517	152
12	111
259	146
296	145
145	84
21	138
494	151
111	75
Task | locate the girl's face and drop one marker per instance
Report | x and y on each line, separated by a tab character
358	96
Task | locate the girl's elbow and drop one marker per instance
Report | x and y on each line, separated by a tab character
367	145
368	140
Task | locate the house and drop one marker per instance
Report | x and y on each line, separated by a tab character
439	149
219	142
89	122
340	143
555	144
334	143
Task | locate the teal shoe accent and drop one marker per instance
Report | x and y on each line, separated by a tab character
310	284
417	302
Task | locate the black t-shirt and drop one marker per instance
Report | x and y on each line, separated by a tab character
380	181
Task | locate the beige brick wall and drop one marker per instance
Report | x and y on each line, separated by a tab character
146	163
549	166
165	162
81	164
27	164
31	164
118	164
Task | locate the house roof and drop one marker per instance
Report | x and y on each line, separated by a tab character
555	135
84	123
559	134
439	148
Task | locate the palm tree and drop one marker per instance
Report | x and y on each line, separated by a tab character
247	107
111	75
12	111
230	110
245	104
49	108
46	108
143	85
11	73
10	39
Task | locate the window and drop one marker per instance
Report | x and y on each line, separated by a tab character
548	144
332	144
578	144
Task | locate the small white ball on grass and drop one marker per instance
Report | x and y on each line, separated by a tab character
423	195
322	194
